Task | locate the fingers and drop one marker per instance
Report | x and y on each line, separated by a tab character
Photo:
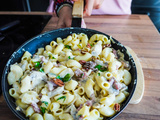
88	7
60	24
97	4
68	22
65	17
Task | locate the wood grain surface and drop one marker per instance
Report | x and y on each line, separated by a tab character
138	33
139	91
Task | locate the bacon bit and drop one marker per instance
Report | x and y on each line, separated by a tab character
81	117
82	62
93	98
106	45
84	76
117	107
83	52
81	105
57	62
89	65
78	73
88	45
112	79
35	107
117	85
89	102
58	82
126	65
93	58
115	53
117	67
51	85
40	95
77	49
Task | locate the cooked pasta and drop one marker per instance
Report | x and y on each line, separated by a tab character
72	78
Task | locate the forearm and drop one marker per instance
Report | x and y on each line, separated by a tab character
59	4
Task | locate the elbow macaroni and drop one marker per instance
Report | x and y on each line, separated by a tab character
89	88
73	78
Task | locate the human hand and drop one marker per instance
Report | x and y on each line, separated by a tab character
65	17
65	14
90	5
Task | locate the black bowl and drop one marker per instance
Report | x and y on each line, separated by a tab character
43	39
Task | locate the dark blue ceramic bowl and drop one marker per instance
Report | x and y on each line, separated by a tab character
43	39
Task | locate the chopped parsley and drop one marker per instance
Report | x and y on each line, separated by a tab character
69	57
41	70
91	45
66	78
63	97
79	115
99	74
37	65
46	103
58	77
79	45
53	57
101	68
81	75
19	80
43	109
68	46
50	55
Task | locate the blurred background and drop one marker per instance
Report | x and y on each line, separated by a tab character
149	7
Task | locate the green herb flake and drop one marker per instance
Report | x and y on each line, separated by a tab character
58	77
79	45
101	68
81	75
43	109
91	45
98	66
66	78
69	57
41	70
37	65
46	103
50	55
68	46
53	57
99	74
19	81
63	97
80	115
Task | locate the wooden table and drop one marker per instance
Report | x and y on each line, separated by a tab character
139	33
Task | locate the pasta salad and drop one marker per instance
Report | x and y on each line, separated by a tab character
75	78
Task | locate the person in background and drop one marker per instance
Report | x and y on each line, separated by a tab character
63	9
